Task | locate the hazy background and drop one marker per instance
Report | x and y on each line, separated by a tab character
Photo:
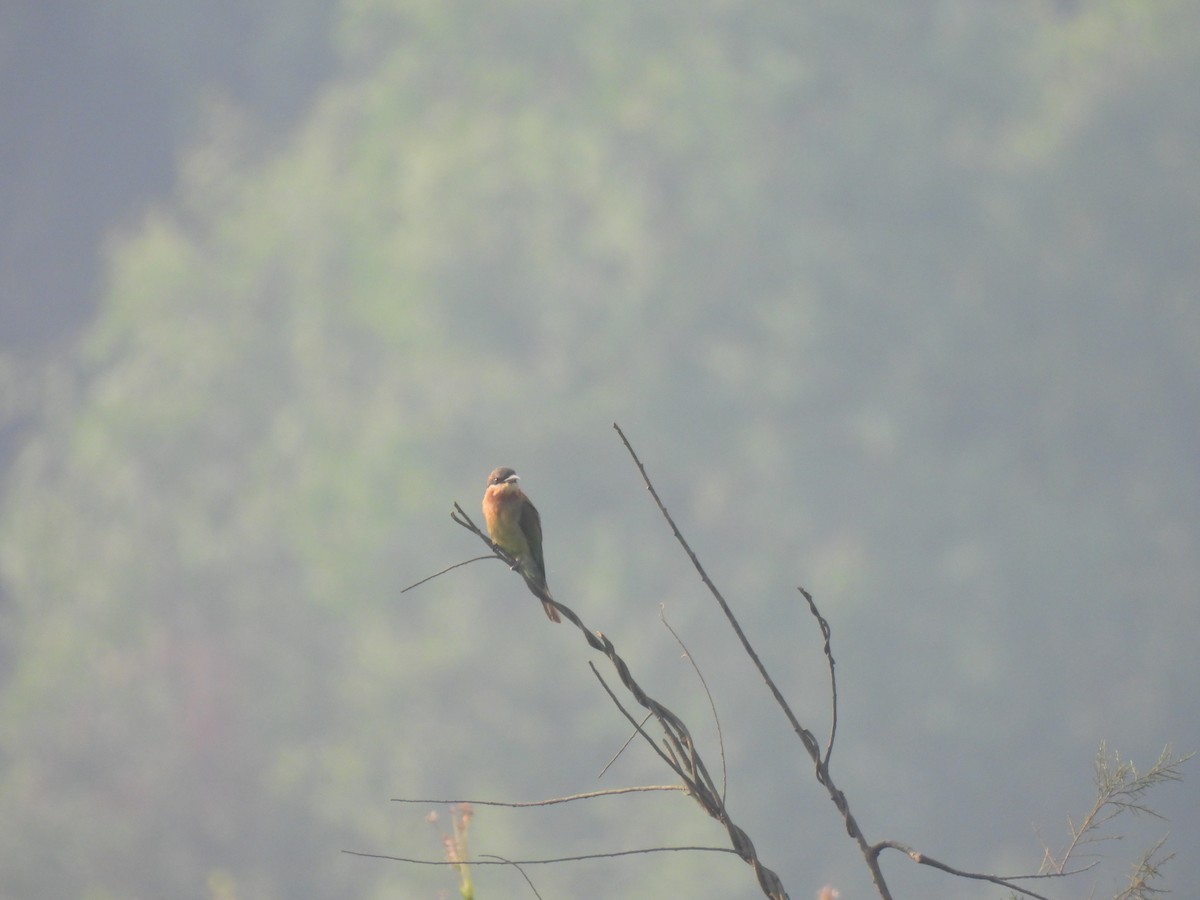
896	301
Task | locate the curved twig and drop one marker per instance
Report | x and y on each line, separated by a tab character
517	866
662	616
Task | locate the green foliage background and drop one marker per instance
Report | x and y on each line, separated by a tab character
896	301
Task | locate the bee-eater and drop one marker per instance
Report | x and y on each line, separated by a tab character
516	528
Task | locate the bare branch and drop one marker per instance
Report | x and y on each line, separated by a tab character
1119	787
806	736
541	862
680	750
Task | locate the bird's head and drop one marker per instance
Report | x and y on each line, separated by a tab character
502	475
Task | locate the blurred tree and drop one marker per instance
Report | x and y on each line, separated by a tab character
100	98
857	240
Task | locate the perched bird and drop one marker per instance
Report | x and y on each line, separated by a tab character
516	528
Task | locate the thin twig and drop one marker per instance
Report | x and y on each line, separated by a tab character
924	860
539	862
687	654
826	632
590	795
517	866
628	741
448	569
460	516
670	760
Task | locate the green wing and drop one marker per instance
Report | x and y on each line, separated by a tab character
531	526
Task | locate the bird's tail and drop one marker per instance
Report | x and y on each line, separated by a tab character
537	586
